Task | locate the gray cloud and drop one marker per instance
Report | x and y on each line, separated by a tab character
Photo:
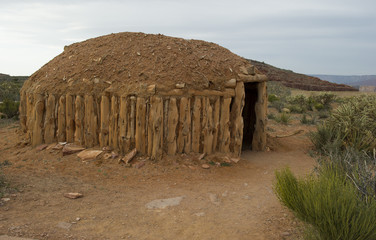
329	37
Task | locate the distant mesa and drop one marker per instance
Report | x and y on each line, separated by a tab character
297	80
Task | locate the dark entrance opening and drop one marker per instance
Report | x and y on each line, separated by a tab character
249	114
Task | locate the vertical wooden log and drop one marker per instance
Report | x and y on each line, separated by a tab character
207	124
184	134
224	133
69	111
259	136
50	121
113	128
216	114
132	123
91	122
172	122
124	136
157	127
141	125
79	121
105	118
165	124
29	115
61	118
23	111
37	134
150	115
196	124
237	120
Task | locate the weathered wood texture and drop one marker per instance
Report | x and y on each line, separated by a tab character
196	124
259	136
172	122
79	120
237	120
50	120
91	122
38	126
105	119
61	120
69	111
184	126
141	128
224	126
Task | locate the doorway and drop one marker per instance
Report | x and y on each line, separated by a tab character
249	114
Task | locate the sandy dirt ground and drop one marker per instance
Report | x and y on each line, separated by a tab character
228	202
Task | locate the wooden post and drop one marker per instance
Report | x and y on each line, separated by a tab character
132	123
79	121
196	124
224	133
237	119
23	111
50	121
113	128
207	124
105	118
216	114
156	117
259	136
184	134
61	120
124	139
69	111
141	125
29	114
173	118
37	134
91	122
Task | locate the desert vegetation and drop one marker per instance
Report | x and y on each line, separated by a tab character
338	200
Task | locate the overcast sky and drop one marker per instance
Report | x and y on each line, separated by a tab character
306	36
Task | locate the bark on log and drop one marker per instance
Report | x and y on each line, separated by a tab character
23	111
69	111
132	123
173	118
196	124
91	122
124	138
207	122
141	125
157	127
105	118
259	136
50	121
29	115
61	120
224	133
216	114
113	128
184	134
37	134
79	120
237	120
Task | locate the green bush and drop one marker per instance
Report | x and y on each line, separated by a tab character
272	98
307	120
326	99
283	118
353	123
9	108
329	203
319	106
296	108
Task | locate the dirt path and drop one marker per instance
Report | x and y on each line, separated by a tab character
235	202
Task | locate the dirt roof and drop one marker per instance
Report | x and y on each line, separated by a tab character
128	62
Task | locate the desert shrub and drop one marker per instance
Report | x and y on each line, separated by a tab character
319	106
283	118
272	98
329	203
271	116
323	114
9	108
279	90
296	108
279	105
308	120
326	99
352	123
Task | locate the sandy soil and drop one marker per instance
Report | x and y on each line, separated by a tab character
232	202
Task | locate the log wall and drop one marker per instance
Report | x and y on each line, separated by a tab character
163	123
